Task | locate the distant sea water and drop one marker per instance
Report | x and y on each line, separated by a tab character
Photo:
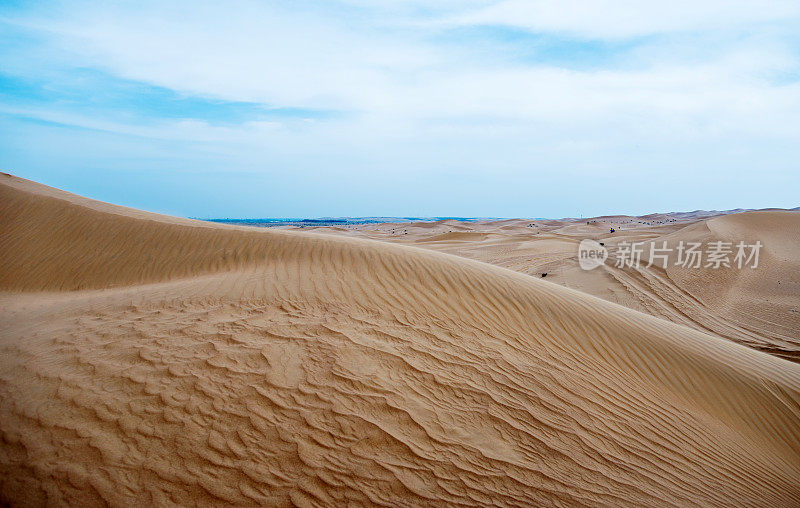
338	221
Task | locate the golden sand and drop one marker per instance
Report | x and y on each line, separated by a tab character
153	360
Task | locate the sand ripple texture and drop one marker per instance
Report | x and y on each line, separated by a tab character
146	360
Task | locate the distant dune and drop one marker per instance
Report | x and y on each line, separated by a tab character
154	360
763	304
756	307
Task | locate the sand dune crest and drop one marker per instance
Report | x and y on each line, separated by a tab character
155	360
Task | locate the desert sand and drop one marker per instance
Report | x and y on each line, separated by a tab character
756	307
156	360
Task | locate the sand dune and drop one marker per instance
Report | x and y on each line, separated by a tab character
152	360
762	304
758	308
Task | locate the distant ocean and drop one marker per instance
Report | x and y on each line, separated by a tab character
339	221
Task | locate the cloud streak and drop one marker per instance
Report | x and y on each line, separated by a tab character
614	19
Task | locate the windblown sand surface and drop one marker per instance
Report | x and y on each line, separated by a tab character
756	307
152	360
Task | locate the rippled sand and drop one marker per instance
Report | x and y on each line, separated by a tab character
756	307
153	360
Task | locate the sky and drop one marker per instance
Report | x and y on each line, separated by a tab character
510	108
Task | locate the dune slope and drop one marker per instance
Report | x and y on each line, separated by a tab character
155	360
762	302
759	307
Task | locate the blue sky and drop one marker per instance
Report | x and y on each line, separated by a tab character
522	108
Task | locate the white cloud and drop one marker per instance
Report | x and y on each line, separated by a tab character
188	130
629	18
414	103
241	51
247	52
